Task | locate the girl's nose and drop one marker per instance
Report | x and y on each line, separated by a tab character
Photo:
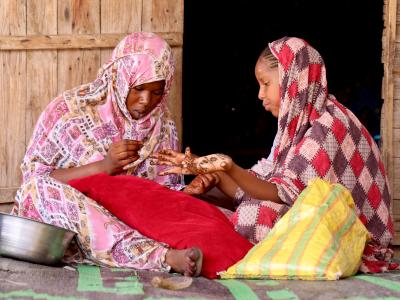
261	94
145	97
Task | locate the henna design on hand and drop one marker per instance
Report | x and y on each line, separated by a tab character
207	164
189	164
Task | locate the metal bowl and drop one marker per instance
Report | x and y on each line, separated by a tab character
33	241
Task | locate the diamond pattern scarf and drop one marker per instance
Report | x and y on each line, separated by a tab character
319	137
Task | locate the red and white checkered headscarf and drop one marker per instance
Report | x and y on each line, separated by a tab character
319	137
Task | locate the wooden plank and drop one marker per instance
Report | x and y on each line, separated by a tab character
396	182
41	17
397	23
41	66
396	58
119	17
6	208
12	17
396	119
388	87
122	16
78	17
396	142
396	221
167	16
175	96
12	94
396	103
162	15
396	207
396	240
76	67
45	42
7	195
12	115
41	70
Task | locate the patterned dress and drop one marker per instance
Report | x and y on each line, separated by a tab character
76	129
318	137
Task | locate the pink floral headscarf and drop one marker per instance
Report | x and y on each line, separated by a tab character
78	126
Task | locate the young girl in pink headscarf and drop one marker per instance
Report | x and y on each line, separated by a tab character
317	137
110	126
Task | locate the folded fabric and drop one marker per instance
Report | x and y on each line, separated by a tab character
319	238
168	216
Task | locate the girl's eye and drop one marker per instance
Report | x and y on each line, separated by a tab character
138	88
266	83
158	92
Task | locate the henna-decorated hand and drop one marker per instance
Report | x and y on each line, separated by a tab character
202	183
188	164
169	157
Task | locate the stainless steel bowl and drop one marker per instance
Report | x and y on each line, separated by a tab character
33	241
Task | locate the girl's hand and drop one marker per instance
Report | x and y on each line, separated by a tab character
169	157
188	164
202	183
120	154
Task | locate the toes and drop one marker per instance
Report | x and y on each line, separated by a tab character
188	273
193	255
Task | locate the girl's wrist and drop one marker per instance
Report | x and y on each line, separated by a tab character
232	168
102	167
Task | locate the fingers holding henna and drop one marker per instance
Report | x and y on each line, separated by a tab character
209	181
169	156
196	186
192	190
126	154
168	152
212	179
188	153
125	162
201	184
159	159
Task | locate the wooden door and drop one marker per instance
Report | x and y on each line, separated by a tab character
390	121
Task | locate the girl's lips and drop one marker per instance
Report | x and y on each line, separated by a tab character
137	114
140	111
266	105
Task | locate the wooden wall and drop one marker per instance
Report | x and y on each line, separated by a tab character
390	122
48	46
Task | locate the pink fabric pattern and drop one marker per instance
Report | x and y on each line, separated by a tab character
77	128
101	238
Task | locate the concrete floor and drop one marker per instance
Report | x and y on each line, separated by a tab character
22	280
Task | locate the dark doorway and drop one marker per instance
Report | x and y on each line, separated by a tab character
221	112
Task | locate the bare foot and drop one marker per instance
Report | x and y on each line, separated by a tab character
187	261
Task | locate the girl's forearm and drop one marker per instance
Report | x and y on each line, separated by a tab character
227	185
254	186
65	175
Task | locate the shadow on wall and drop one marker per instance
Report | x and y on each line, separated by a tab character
221	112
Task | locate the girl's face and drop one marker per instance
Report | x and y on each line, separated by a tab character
142	99
268	80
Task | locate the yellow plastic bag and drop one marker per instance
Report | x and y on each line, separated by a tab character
319	238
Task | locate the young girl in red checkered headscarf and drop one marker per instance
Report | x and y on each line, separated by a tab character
317	137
